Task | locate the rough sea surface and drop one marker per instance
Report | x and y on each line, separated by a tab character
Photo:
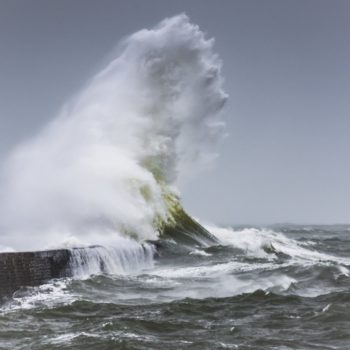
281	287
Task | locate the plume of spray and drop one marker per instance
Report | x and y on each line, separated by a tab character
99	170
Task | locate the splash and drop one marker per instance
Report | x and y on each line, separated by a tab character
267	244
103	167
129	257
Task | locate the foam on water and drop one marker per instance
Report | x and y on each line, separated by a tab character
205	271
199	252
265	243
47	295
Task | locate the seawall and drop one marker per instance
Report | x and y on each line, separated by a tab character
20	269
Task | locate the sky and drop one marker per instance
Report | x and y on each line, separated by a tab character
286	69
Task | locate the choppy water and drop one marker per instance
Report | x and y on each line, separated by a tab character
283	287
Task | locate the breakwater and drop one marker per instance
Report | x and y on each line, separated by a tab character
18	269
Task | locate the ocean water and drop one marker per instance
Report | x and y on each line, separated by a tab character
280	287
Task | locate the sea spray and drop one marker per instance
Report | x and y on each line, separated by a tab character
101	168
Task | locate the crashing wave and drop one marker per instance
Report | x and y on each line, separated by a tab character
268	244
109	165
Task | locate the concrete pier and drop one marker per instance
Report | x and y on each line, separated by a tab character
20	269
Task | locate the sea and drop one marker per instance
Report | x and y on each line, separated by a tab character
279	287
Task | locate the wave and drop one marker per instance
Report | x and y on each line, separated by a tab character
265	243
107	165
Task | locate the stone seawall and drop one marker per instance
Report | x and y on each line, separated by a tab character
31	269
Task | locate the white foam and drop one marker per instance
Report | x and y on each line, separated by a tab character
264	243
67	338
204	271
326	308
343	271
199	252
47	295
198	283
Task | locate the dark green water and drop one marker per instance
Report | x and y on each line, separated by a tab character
286	287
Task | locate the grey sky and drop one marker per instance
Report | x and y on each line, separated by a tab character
286	65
